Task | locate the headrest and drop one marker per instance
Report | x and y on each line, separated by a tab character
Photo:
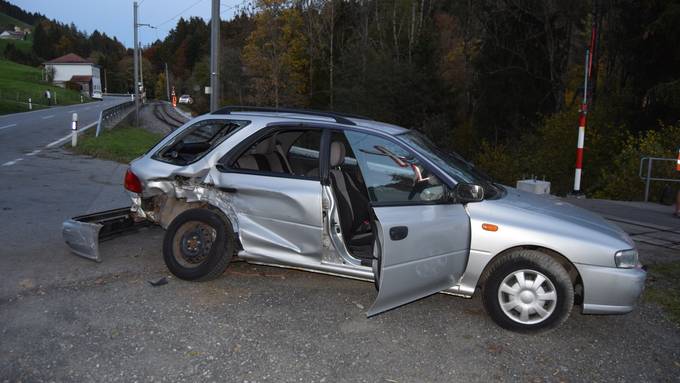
337	153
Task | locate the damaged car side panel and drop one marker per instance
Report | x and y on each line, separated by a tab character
284	220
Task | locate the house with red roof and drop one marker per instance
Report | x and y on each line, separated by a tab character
77	70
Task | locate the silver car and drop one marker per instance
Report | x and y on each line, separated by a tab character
351	197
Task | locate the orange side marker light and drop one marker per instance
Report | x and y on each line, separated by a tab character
489	227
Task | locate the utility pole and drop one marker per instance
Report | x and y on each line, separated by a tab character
141	70
167	82
136	66
214	56
136	60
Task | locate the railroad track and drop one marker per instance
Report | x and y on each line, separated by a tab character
162	114
651	234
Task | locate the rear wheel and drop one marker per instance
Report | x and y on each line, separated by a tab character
528	291
198	245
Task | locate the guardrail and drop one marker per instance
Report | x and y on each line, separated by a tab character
649	161
111	112
118	95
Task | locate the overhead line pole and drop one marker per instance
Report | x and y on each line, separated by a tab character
136	60
214	56
167	82
141	68
135	57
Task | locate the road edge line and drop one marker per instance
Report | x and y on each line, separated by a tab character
68	137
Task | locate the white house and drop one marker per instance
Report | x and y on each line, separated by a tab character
17	34
12	35
75	69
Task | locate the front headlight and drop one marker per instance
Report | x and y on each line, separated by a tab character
627	259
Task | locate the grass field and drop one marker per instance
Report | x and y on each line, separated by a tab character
22	45
19	82
7	107
122	144
6	20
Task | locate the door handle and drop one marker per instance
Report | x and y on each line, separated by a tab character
227	190
397	233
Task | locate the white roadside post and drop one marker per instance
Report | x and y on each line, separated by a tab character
30	105
74	128
81	98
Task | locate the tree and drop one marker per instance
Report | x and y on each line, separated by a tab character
42	44
159	88
275	56
64	46
522	62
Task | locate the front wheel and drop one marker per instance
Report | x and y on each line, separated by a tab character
528	291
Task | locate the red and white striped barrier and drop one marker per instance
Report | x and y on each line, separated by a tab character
579	149
583	117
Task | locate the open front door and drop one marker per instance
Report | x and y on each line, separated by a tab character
424	239
424	250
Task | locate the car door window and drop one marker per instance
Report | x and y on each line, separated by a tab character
393	175
197	140
286	153
303	154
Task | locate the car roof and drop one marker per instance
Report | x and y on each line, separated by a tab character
309	115
381	126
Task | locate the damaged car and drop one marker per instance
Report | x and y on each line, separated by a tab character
352	197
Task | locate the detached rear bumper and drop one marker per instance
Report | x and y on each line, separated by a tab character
83	233
610	290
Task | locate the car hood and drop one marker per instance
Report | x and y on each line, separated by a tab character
553	207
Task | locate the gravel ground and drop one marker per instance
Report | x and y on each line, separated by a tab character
64	318
267	324
149	121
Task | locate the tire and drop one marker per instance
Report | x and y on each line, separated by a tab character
198	245
517	306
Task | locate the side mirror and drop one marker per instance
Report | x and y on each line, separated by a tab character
465	193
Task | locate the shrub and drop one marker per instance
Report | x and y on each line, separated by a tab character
498	162
621	180
550	152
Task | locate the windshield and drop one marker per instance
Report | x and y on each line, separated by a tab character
453	164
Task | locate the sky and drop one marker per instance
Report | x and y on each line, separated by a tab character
115	16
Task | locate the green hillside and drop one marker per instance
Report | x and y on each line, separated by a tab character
6	21
19	82
23	45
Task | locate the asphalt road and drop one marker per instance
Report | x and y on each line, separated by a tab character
21	134
64	318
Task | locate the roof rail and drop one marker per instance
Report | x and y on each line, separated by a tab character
340	118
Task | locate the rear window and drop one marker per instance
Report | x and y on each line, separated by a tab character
197	140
